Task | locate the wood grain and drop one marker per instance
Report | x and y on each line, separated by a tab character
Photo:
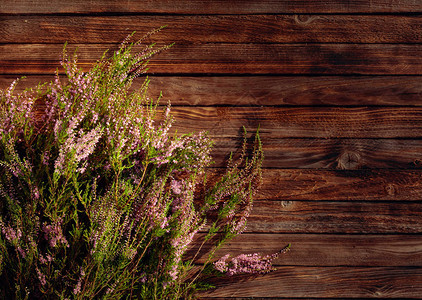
333	153
303	122
334	86
229	58
190	29
335	217
299	122
320	185
272	90
324	282
208	7
326	249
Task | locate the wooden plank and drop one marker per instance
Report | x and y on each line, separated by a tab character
229	58
303	122
300	122
320	185
290	90
272	90
214	29
208	7
337	154
324	282
335	217
334	153
324	250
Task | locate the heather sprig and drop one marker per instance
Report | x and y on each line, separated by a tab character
101	199
254	263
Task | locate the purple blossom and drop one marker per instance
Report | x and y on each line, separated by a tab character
53	234
21	252
244	264
12	235
148	179
42	259
35	193
221	265
247	263
15	111
176	187
77	288
77	149
46	158
41	277
238	226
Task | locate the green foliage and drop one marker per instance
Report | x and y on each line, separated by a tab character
100	199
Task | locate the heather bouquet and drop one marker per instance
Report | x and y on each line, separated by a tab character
101	199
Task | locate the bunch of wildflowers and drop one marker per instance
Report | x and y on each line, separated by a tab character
100	199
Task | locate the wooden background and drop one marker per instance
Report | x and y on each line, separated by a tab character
335	86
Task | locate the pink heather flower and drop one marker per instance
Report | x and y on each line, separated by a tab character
42	259
21	252
12	235
250	263
174	272
95	118
188	220
247	263
41	277
77	288
221	265
166	285
45	158
57	128
240	225
15	111
154	206
15	168
36	193
54	235
11	88
80	148
176	187
244	264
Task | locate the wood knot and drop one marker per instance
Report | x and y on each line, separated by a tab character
390	189
349	160
223	112
417	163
286	203
304	19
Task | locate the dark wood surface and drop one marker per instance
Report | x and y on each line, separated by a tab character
326	282
330	250
335	87
272	90
231	58
209	7
193	29
283	216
